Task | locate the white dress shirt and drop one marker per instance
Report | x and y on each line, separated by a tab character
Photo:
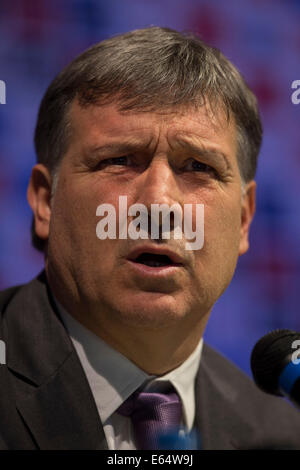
113	378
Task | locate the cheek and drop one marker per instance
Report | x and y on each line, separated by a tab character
221	240
223	225
72	223
222	219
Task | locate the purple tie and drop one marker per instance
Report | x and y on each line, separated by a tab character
153	415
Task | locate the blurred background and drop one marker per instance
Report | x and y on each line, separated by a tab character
262	38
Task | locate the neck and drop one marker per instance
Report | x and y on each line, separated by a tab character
155	351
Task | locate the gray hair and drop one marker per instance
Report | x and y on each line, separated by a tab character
147	69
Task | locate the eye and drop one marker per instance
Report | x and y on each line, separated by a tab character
195	165
116	160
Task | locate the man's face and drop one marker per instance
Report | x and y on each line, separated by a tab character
185	157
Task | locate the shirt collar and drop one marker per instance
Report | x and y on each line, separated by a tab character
183	380
113	378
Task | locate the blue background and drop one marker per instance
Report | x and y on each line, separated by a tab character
262	38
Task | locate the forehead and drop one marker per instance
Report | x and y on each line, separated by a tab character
96	124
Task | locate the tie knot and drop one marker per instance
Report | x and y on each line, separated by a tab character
153	415
149	402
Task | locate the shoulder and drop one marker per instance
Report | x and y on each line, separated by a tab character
6	295
22	295
27	291
241	401
224	370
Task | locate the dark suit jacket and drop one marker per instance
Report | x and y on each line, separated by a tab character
46	401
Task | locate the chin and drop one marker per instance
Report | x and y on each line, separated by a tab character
157	311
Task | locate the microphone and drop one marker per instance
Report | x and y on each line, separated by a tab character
173	440
275	364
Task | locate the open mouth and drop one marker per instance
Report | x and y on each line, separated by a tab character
154	260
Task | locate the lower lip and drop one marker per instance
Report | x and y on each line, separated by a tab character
152	271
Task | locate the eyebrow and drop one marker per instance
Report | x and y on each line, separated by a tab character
125	147
205	152
120	147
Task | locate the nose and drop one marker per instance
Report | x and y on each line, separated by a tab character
158	185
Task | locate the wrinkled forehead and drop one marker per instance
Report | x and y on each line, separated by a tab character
108	121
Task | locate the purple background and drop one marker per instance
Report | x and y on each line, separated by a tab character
262	38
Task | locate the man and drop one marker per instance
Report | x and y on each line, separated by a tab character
116	322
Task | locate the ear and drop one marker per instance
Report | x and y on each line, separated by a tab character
39	196
247	214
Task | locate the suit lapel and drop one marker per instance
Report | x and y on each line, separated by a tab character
218	419
51	389
61	413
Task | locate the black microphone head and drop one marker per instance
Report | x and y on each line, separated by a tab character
269	356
